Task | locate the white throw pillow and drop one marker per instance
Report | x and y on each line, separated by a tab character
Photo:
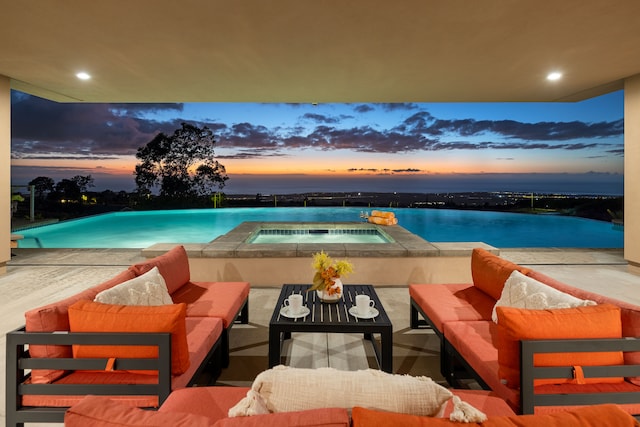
286	389
521	291
146	289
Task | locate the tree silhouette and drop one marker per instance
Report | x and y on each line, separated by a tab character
182	165
72	189
83	182
42	186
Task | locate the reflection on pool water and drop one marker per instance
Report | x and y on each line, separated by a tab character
143	229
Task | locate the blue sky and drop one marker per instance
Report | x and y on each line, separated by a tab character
354	147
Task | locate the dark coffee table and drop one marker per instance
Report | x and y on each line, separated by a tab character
332	318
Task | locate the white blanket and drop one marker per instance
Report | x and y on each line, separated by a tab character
286	389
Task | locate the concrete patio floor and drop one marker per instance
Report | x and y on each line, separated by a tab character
38	276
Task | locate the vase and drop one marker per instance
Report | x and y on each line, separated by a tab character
335	296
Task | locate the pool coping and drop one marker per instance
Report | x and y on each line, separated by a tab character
234	244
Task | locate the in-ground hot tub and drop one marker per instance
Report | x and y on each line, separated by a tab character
319	234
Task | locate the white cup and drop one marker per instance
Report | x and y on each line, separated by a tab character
364	304
294	302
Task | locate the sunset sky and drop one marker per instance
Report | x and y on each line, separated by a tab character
288	145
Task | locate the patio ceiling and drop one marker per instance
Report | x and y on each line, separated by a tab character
319	50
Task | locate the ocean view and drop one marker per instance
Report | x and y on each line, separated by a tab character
578	184
604	184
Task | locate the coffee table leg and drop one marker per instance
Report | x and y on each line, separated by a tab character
384	351
274	347
386	342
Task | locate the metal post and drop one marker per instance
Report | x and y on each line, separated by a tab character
32	203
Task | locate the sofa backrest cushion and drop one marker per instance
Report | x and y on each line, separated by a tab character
89	316
629	313
589	416
515	324
490	272
54	317
100	411
173	266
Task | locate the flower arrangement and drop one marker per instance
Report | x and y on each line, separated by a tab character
327	271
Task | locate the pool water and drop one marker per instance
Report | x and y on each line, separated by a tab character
143	229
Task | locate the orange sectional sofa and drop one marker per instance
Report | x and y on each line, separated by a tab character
594	416
135	353
581	352
209	406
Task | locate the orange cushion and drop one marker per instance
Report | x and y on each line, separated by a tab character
324	417
202	334
489	272
54	317
476	341
382	221
487	402
215	402
515	324
605	388
173	266
212	402
100	411
382	214
89	316
588	416
444	303
97	378
213	299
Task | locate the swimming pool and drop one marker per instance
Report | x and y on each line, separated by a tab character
143	229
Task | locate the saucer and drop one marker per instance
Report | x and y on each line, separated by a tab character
284	311
372	313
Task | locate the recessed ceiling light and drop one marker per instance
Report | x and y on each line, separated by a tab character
83	76
556	75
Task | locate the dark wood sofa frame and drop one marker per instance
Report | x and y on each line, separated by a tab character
455	369
528	372
18	363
